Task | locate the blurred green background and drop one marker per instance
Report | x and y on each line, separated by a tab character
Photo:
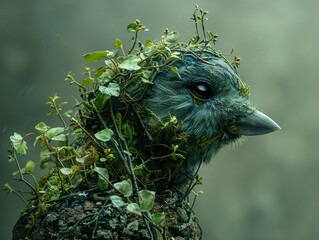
265	189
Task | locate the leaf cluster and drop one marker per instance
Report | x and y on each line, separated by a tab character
105	143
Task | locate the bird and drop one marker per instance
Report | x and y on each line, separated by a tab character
211	101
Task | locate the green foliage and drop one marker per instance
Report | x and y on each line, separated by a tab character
159	218
146	199
130	63
103	178
134	208
97	147
104	135
19	144
98	55
125	187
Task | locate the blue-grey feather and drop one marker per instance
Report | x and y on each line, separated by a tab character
211	118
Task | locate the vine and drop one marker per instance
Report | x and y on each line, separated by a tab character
98	151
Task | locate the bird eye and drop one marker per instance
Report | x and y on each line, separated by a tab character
201	90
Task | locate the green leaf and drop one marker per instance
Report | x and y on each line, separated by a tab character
177	155
158	218
76	181
11	159
29	166
105	76
19	144
62	104
146	199
99	71
125	187
100	100
117	201
56	134
98	55
175	70
66	171
45	154
68	113
42	127
118	43
104	135
86	82
130	63
113	89
134	208
131	27
103	178
82	159
148	42
171	38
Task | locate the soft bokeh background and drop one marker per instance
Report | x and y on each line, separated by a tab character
267	188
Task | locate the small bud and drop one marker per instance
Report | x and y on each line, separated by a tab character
236	61
173	120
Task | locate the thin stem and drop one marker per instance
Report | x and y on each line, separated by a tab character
19	195
29	185
135	40
56	108
18	164
203	28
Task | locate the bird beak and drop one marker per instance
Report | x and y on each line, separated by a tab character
255	123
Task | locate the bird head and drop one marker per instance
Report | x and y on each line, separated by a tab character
208	97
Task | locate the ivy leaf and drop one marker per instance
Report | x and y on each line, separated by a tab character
118	43
158	218
103	178
147	76
125	187
29	166
104	135
113	89
134	208
99	71
56	134
19	144
66	171
146	199
130	63
171	37
132	27
81	160
98	55
175	70
42	127
100	100
117	201
86	82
